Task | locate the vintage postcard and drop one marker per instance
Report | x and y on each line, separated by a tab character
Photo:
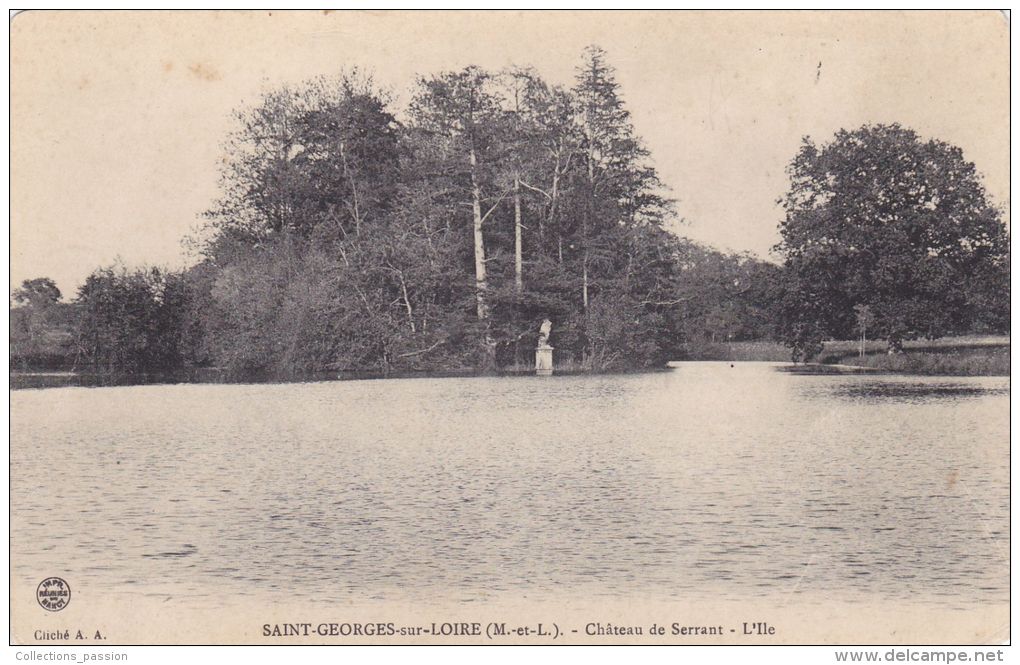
509	327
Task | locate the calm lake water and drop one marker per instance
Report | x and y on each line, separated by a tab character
729	482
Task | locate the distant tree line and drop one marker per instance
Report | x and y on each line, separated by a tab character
345	239
41	327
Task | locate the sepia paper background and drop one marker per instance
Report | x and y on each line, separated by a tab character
118	119
116	124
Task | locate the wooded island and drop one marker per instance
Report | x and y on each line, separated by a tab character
354	236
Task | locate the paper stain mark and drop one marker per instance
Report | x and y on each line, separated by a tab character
204	72
954	475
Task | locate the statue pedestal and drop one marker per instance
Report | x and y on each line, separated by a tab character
544	360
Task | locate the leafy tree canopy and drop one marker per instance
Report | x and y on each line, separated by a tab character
37	292
880	217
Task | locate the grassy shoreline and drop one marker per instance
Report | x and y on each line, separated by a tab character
951	356
969	355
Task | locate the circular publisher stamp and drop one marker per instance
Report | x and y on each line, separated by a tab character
53	594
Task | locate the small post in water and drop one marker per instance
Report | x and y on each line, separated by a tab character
544	352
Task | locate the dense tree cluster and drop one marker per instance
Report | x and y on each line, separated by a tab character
132	322
41	327
348	239
880	221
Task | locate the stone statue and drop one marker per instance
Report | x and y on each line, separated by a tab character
544	352
543	333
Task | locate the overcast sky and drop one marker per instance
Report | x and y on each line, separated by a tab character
117	118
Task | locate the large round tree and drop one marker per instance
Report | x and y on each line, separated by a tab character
880	218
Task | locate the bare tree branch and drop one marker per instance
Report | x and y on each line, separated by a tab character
421	351
664	303
536	189
494	205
